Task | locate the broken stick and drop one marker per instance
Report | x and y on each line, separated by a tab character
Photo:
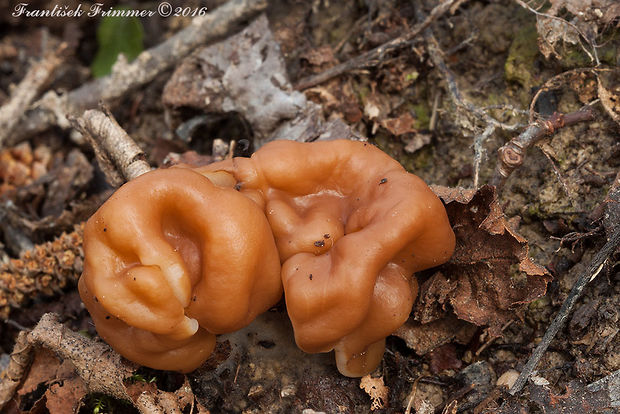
119	157
512	154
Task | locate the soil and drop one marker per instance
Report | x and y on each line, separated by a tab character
492	49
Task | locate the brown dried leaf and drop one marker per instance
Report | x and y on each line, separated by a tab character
444	358
377	391
43	369
323	55
398	126
65	395
423	338
490	273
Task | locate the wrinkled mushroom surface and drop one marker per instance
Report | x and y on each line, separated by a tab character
351	226
173	258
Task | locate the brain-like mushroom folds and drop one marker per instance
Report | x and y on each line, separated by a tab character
173	258
351	226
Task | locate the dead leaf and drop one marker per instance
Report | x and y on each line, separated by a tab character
377	391
551	32
444	358
42	370
490	274
245	74
417	141
423	338
401	125
587	20
320	56
65	396
609	93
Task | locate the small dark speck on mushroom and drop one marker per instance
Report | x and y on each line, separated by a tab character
319	243
194	298
326	236
383	181
310	276
238	186
96	300
105	229
107	317
134	278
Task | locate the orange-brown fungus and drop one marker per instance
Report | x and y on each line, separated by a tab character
173	258
351	226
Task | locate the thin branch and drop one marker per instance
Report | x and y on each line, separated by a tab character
558	322
37	77
51	109
120	158
511	155
375	56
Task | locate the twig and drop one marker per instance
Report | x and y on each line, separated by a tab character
558	322
120	158
37	77
50	110
605	382
102	369
511	155
13	375
375	56
95	362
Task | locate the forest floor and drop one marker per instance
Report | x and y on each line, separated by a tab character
442	101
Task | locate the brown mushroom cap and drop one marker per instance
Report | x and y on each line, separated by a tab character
172	259
351	226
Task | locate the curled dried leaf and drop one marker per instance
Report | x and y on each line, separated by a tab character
490	276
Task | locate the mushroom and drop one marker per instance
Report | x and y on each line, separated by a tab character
351	226
173	258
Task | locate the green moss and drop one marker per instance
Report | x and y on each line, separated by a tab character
422	117
533	211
